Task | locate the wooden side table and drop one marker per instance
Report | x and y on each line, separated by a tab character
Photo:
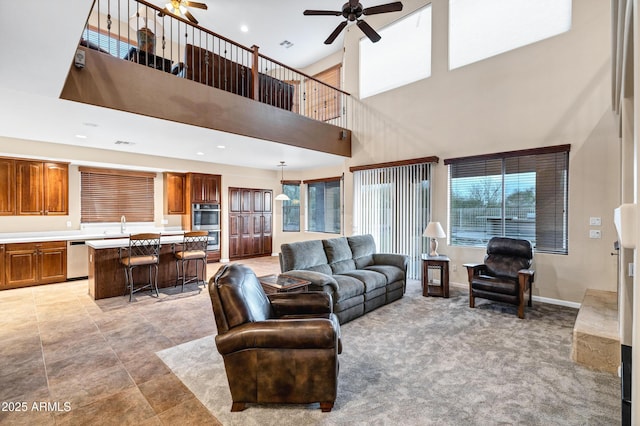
283	284
435	262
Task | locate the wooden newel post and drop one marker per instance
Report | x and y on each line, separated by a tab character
255	72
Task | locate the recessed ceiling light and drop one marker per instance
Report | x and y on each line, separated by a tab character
199	153
221	147
244	28
81	136
286	44
124	143
90	124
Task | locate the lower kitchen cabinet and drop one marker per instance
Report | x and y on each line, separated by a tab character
28	264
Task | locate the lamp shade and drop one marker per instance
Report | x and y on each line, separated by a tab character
282	197
146	17
434	230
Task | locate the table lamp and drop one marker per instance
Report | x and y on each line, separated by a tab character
434	230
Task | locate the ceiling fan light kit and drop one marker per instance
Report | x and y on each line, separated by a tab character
352	11
180	8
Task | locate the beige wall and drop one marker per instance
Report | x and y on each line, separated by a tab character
556	91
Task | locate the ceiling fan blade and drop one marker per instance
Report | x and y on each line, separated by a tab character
336	32
196	4
368	31
190	17
321	13
383	8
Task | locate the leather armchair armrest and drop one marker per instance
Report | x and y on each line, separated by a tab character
474	269
317	279
316	302
307	333
393	259
530	273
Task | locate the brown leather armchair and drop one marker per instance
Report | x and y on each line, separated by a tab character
277	348
505	275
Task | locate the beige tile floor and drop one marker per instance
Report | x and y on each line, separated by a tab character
67	359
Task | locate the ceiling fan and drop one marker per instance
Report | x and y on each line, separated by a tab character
179	8
352	11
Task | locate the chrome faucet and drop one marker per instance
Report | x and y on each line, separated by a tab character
123	224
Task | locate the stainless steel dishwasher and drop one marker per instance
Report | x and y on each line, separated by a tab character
77	260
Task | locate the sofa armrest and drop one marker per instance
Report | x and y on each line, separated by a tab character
316	302
393	259
307	333
317	279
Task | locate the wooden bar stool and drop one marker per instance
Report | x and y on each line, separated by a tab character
194	248
143	250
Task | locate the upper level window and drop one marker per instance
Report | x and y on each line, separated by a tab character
402	56
323	205
479	29
107	42
517	194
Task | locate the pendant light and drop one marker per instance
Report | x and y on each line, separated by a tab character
282	196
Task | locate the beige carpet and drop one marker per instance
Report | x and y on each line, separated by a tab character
421	361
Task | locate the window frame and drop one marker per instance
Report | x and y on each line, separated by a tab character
550	166
130	194
325	210
292	204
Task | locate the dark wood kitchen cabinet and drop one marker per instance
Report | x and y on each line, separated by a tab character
7	186
250	222
2	277
204	188
28	264
42	188
175	187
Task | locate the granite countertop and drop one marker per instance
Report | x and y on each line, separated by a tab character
124	242
82	235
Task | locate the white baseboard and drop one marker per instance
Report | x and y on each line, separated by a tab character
224	260
548	300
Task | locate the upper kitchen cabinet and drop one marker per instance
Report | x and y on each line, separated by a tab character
42	188
205	188
175	188
7	186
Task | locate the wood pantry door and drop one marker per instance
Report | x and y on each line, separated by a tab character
250	222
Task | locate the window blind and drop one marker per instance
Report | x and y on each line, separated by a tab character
516	194
393	204
106	195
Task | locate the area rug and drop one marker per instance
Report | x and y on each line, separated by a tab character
434	361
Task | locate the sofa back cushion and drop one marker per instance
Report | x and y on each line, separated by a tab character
307	255
339	255
363	248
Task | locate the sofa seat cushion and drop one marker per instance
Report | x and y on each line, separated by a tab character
392	273
371	279
348	287
495	285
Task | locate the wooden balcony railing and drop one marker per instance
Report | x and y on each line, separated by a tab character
138	31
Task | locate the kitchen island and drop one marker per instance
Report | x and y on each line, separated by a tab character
106	274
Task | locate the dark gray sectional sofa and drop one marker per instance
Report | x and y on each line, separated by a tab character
348	268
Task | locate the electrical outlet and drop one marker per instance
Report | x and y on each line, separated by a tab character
68	224
595	221
165	221
454	267
595	233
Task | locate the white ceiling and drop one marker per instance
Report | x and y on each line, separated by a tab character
37	54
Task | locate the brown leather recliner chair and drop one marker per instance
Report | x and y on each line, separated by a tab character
505	275
277	348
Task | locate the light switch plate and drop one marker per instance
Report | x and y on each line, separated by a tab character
595	221
595	233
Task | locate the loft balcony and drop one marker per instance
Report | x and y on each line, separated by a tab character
142	60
